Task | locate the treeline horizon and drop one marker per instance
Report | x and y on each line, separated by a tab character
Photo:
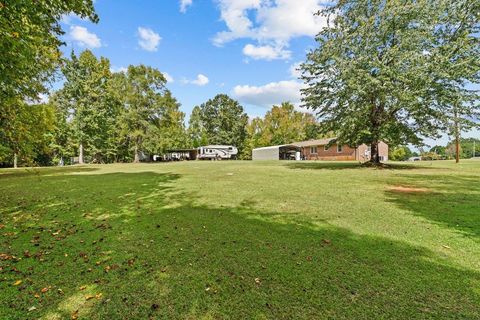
100	116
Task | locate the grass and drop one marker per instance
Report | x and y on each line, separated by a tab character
265	240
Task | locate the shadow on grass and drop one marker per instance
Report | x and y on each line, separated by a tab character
452	201
22	172
133	246
333	165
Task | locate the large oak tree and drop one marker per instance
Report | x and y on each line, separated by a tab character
393	70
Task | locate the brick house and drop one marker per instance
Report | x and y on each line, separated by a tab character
321	150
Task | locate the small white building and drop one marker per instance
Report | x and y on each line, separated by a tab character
282	152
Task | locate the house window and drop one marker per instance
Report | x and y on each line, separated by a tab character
325	147
339	148
313	150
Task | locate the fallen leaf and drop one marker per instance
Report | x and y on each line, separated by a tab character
446	247
74	315
83	287
32	308
98	295
44	290
89	297
257	280
18	282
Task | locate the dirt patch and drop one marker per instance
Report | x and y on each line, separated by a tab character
406	189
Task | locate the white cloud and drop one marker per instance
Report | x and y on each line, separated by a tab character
168	77
269	22
295	71
184	4
201	80
118	69
269	94
265	52
149	39
85	38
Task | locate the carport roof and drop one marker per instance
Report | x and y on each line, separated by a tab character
318	142
277	147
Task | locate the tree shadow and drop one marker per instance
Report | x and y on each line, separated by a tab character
333	165
452	201
43	171
134	246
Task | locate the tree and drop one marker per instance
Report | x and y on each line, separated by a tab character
384	70
466	147
400	153
29	44
441	151
196	131
281	125
223	121
87	97
144	89
255	137
23	132
170	131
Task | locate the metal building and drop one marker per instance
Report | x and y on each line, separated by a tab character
282	152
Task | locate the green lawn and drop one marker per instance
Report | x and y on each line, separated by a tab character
241	240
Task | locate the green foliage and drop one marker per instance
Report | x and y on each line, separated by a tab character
400	153
196	131
151	120
86	98
23	132
440	151
466	148
170	129
389	70
29	44
220	121
281	125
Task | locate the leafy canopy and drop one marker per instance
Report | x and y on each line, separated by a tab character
29	44
387	70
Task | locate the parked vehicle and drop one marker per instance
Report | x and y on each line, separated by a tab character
217	152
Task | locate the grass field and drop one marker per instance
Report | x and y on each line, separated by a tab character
241	240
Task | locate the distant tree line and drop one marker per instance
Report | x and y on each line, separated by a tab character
99	116
469	148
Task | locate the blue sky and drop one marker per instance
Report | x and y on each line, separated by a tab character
245	48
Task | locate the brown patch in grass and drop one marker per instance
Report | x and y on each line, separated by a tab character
407	189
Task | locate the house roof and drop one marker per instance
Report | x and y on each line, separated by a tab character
277	147
318	142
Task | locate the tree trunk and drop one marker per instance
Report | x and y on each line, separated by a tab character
457	137
374	156
137	155
15	160
80	154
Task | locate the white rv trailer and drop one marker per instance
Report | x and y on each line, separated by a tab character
216	152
